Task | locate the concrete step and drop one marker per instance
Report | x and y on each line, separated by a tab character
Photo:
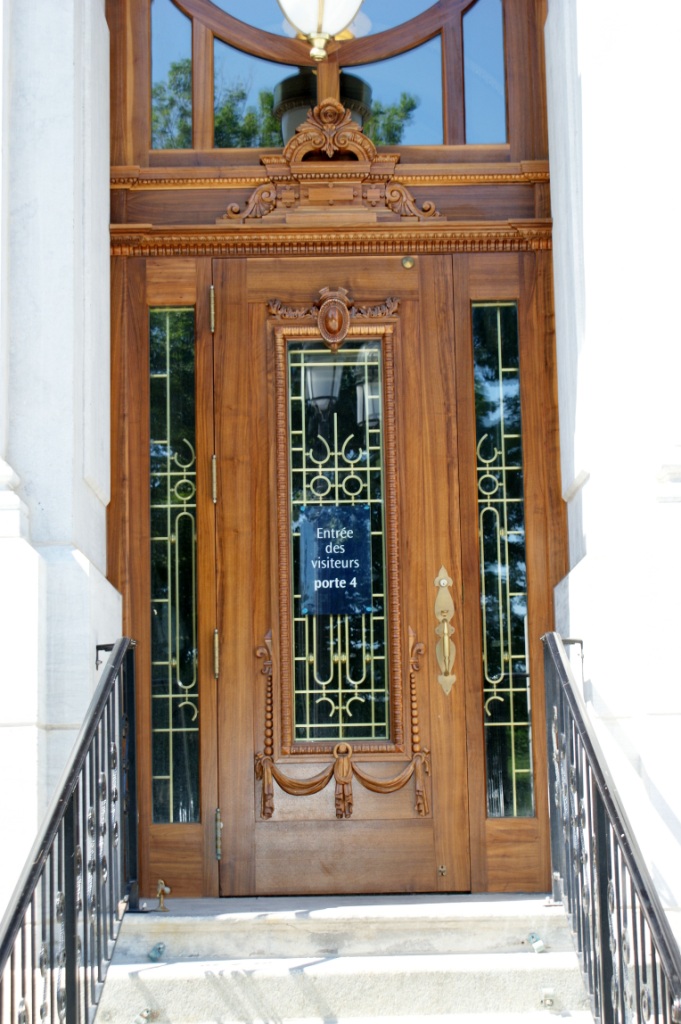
345	960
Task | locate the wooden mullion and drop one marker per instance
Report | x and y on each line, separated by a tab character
453	112
206	575
245	37
130	30
470	640
539	453
135	373
328	78
525	96
202	87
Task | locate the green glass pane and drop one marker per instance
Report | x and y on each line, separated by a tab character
503	575
173	565
171	77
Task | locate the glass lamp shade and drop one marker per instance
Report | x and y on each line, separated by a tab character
319	20
323	384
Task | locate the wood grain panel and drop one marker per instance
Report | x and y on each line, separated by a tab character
543	513
470	637
516	855
495	279
299	281
138	625
171	282
202	275
242	565
176	856
436	521
335	857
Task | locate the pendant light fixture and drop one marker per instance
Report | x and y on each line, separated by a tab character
319	20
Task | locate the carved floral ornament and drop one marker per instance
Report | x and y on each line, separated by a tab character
333	313
330	169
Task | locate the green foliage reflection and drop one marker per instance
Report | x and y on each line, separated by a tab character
240	125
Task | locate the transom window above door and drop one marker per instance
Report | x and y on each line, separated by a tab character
227	75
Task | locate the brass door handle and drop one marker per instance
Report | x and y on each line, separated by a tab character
445	651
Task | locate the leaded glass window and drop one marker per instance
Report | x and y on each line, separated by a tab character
340	655
174	688
503	576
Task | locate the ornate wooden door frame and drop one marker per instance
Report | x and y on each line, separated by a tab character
357	208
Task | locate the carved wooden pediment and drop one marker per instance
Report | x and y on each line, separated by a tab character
330	171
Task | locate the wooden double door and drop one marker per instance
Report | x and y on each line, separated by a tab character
339	637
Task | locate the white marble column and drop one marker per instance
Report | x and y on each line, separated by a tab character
55	601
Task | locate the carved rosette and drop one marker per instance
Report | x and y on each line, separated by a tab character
307	182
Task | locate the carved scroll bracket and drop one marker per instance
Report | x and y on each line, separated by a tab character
445	651
330	171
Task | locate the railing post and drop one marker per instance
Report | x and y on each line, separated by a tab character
71	1007
554	778
604	1003
130	779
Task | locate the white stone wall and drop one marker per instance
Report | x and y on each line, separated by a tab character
55	603
614	82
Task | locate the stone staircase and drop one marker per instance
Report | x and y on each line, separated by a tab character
346	960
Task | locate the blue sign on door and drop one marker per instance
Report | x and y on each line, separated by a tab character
335	559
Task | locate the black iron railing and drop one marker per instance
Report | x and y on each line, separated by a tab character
630	959
59	932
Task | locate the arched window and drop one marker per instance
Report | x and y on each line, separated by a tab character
436	78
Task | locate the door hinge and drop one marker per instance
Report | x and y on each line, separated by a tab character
212	309
214	478
216	654
218	834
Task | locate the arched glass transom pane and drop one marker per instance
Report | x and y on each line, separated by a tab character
406	97
374	15
484	72
171	77
243	93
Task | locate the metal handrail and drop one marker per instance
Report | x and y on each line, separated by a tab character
630	959
58	933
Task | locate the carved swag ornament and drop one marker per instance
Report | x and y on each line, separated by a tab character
342	769
330	170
